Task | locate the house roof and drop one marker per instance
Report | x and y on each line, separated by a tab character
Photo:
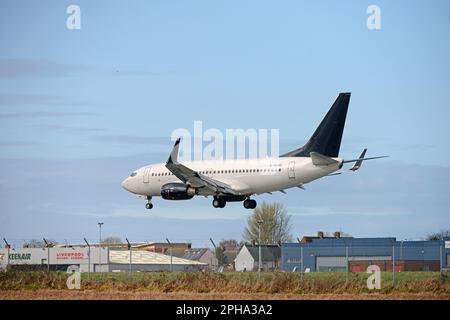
268	253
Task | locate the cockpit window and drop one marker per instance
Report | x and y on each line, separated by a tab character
133	174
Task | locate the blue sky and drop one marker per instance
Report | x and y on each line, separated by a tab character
80	109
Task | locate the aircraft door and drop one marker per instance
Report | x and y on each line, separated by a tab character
146	176
291	170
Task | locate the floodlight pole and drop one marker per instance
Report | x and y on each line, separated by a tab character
89	258
301	256
260	222
100	243
170	248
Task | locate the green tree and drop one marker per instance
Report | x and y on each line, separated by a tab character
275	227
221	257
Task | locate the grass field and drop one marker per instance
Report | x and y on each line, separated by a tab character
273	285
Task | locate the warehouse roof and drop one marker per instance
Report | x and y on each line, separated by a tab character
147	257
194	254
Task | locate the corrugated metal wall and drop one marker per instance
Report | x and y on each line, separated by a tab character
319	252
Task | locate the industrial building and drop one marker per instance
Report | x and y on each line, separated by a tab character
248	258
88	259
150	261
93	259
356	254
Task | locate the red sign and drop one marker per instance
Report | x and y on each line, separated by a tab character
70	255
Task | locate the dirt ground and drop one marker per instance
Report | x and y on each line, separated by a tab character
146	295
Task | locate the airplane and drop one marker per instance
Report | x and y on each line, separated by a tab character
238	180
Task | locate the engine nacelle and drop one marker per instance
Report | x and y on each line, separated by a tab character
177	191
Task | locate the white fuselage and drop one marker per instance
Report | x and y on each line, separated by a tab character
247	176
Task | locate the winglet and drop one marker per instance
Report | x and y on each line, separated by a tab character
173	158
358	163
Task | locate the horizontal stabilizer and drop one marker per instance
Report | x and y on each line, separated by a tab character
334	174
363	159
358	163
321	160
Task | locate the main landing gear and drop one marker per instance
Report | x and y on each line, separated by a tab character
149	204
249	203
219	203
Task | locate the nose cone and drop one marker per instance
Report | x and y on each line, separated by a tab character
126	184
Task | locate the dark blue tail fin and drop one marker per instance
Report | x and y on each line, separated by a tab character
327	138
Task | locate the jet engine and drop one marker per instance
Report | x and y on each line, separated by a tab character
177	191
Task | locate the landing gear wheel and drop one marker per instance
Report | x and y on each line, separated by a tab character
149	205
219	203
249	204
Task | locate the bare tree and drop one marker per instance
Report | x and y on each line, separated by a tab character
35	243
438	235
276	226
112	240
229	245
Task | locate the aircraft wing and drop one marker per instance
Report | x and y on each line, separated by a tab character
193	178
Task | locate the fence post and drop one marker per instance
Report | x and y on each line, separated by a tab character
7	259
393	264
441	264
89	258
48	254
215	255
346	262
129	248
170	248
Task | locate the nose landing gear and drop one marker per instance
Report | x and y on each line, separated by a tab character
149	204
